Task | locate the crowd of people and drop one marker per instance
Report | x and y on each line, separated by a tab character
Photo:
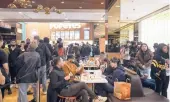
37	60
152	67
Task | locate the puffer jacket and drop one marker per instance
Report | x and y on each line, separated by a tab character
144	58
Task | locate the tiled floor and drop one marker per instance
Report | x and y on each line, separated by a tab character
14	96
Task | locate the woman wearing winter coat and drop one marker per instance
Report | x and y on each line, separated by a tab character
144	59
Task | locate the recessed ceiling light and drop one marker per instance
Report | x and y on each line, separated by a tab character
80	7
62	2
33	2
102	3
20	12
117	6
66	18
110	16
102	18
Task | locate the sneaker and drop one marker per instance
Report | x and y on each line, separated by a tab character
9	92
100	99
33	100
29	93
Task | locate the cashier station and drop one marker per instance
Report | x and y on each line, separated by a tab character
138	93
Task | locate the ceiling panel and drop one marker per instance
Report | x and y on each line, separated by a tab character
140	8
67	15
68	4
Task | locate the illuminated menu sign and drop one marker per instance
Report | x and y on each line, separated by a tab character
5	25
65	25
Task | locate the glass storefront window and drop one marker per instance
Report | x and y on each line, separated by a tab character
86	34
57	35
67	35
71	35
77	35
62	34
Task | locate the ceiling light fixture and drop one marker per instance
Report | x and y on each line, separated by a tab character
117	6
110	16
80	7
62	2
102	3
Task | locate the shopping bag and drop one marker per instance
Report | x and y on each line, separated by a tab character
122	90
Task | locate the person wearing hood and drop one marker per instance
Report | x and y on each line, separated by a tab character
27	65
158	69
144	59
113	73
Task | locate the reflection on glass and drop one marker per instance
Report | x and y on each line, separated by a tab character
62	34
77	35
67	35
86	34
53	36
71	35
57	35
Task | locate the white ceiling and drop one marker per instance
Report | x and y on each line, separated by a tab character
135	9
67	15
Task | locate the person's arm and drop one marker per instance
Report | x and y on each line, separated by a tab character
150	61
138	63
4	61
54	80
48	53
2	79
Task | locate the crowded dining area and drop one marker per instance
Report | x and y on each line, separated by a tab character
84	51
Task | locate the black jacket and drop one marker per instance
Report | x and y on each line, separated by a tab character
57	83
27	65
44	52
118	74
13	56
49	47
158	64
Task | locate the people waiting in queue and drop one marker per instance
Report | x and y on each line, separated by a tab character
60	85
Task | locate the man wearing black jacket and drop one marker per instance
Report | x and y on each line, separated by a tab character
45	56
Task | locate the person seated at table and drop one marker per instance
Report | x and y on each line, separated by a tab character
72	67
60	85
113	73
148	83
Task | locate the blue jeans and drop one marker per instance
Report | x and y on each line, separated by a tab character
22	94
43	77
149	83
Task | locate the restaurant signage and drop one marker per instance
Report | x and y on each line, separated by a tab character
65	25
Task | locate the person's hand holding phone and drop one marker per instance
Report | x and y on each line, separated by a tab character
67	77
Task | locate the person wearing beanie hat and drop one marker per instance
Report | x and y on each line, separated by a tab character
27	65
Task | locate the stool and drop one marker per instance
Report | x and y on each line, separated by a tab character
66	99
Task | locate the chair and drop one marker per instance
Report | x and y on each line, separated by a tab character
66	99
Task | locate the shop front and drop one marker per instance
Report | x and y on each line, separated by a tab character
69	32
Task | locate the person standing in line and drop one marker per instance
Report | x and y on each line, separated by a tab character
144	59
45	56
27	66
158	69
14	53
4	65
